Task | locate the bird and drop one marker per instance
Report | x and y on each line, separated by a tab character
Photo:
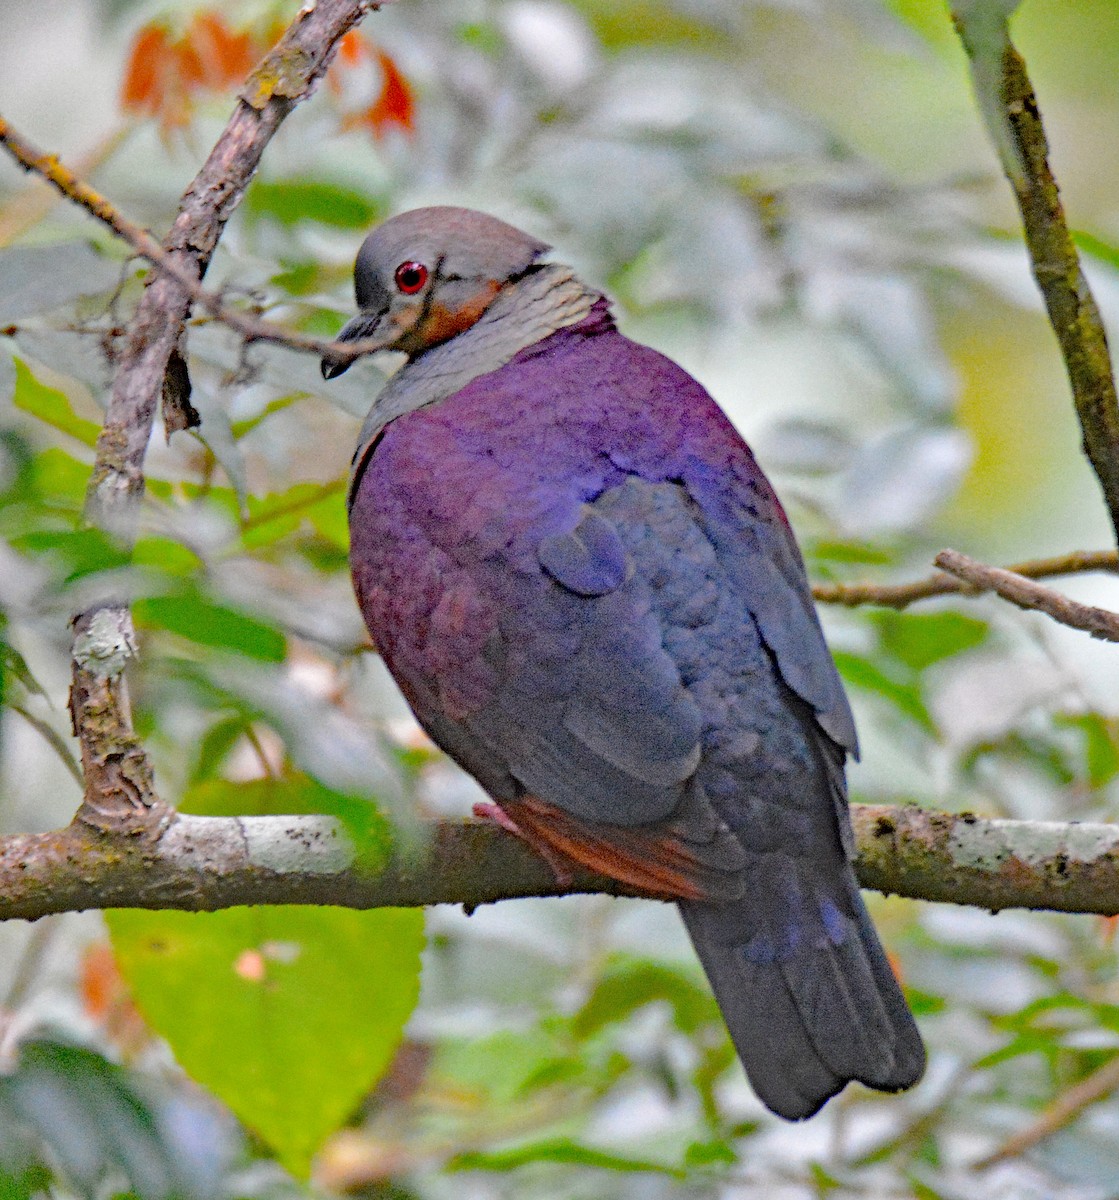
592	599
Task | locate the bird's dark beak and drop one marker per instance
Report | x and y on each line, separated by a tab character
364	327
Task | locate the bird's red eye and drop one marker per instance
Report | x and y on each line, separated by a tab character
410	277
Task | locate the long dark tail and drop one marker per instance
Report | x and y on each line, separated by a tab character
804	986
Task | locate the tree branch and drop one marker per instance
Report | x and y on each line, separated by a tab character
901	595
252	329
206	863
118	792
1009	107
288	74
1099	622
1061	1112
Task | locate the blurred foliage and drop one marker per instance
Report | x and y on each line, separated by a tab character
795	199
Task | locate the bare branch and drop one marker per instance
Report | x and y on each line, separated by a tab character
1009	106
252	329
1099	622
901	595
1061	1112
288	74
118	793
206	863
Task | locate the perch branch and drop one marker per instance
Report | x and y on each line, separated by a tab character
205	863
1009	106
901	595
1025	593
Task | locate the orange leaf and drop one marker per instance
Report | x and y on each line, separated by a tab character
225	57
190	68
143	73
395	106
98	980
107	1000
352	49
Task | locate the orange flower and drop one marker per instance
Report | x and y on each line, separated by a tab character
395	105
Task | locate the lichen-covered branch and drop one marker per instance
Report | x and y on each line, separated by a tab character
1025	593
118	792
1009	106
901	595
960	858
289	73
205	863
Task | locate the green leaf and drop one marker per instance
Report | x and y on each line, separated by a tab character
274	516
500	1068
558	1150
215	745
288	1014
13	664
61	477
300	279
1101	744
824	550
860	672
240	428
931	21
191	615
920	639
79	551
924	1004
290	201
51	406
166	556
94	1122
620	24
716	1153
822	1179
629	984
1106	252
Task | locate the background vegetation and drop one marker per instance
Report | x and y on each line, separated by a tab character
795	199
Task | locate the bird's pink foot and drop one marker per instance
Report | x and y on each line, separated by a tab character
485	811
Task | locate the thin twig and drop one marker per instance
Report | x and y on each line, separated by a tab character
1025	593
252	329
900	595
1009	106
1065	1109
30	206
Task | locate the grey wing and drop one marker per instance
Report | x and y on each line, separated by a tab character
590	717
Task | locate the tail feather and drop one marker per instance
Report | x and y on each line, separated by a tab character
805	988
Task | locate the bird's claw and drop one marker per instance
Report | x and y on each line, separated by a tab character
485	811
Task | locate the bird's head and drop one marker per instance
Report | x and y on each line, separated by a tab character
426	275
